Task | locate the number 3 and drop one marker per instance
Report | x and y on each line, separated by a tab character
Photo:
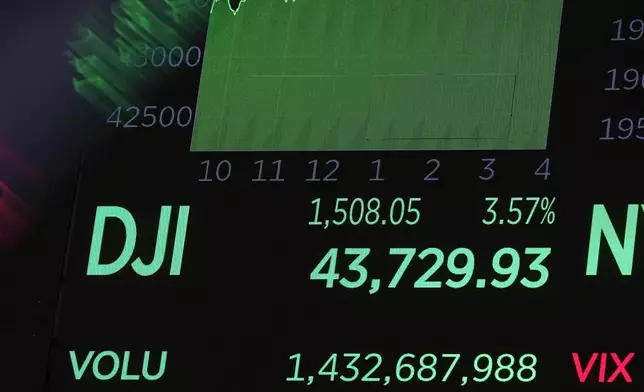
351	366
490	209
361	254
536	265
144	48
488	168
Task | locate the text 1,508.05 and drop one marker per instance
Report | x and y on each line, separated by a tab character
371	212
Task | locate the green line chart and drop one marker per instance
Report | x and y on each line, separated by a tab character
377	75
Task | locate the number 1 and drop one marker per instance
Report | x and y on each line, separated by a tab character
296	372
619	37
205	174
316	219
377	177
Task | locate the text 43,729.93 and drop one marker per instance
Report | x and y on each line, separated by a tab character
506	265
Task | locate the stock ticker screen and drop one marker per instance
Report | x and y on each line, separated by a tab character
356	195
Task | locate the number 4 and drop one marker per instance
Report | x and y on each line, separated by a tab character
330	363
117	121
543	169
330	258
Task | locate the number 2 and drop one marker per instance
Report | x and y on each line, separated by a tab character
423	282
430	175
127	124
367	377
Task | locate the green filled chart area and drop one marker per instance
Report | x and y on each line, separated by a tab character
377	75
